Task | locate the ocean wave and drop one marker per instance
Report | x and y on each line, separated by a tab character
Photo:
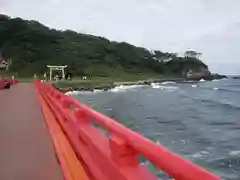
227	162
199	155
168	88
168	82
237	85
72	93
219	104
234	153
122	88
194	85
222	123
221	89
226	90
98	90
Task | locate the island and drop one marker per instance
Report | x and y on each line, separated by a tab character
27	47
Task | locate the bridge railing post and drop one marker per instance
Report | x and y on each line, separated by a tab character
121	153
66	103
81	116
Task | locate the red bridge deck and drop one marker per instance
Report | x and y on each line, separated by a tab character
26	150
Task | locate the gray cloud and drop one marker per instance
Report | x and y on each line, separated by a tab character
210	26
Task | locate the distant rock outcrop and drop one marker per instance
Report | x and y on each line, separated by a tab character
203	74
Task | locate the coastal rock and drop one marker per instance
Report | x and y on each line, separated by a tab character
203	74
214	76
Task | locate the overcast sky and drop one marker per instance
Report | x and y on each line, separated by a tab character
209	26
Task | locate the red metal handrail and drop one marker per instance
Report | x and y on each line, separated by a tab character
118	154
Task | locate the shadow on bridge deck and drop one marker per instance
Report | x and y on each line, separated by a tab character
26	150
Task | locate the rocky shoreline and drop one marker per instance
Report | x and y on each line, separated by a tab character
115	84
108	86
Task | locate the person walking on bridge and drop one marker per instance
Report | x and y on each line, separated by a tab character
45	77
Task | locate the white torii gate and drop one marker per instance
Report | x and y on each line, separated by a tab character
51	68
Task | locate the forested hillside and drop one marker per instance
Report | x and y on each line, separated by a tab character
30	46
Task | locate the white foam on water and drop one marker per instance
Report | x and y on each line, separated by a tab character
200	154
194	85
215	88
70	93
202	80
122	88
98	90
117	89
156	86
168	82
168	88
234	153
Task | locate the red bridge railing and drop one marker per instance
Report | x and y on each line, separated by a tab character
115	156
3	82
